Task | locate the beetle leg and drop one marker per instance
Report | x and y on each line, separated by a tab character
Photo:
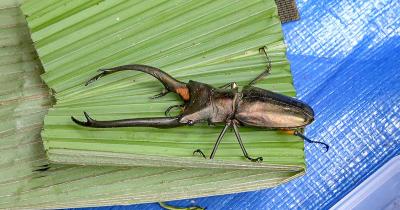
172	107
236	130
200	152
297	133
163	93
266	71
221	135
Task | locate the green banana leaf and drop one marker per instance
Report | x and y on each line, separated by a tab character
208	41
73	39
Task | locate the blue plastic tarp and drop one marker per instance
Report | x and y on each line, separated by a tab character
345	58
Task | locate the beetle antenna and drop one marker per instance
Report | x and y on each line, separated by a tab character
297	133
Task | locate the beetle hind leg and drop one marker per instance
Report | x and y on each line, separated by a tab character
246	155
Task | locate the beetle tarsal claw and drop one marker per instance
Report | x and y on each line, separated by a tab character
199	152
259	159
89	120
42	168
163	93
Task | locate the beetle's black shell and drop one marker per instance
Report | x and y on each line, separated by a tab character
262	108
255	107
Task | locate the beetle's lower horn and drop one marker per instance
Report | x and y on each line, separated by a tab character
157	122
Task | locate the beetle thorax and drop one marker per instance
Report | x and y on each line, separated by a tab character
207	104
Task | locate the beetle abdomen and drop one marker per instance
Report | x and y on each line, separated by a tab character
263	108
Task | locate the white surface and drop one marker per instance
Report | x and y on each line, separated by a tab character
380	191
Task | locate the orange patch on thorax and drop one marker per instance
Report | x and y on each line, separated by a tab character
183	92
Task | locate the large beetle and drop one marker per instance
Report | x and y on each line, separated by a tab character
252	106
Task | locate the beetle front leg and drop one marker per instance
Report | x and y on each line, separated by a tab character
231	85
163	93
236	130
172	107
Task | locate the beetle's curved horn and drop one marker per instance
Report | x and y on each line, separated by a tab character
157	122
170	83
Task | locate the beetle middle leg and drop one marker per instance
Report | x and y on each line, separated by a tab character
236	130
221	135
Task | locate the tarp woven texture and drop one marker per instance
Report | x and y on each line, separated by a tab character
345	60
